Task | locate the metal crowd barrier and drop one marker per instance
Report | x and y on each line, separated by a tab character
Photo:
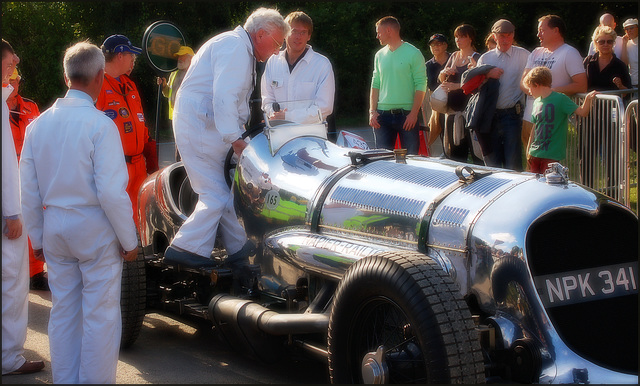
602	148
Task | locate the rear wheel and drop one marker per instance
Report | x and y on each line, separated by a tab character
399	318
133	299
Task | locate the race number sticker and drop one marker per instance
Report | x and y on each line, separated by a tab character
586	285
272	199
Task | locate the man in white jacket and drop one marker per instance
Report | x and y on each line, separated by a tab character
79	216
212	107
15	261
298	73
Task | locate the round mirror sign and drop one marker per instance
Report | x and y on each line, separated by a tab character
160	42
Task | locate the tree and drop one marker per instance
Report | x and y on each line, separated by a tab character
343	31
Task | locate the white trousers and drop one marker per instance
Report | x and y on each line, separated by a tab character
15	293
85	274
203	154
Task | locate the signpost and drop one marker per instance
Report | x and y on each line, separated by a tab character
160	42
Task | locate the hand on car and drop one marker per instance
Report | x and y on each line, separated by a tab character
278	114
238	146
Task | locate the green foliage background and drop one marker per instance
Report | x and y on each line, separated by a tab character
343	31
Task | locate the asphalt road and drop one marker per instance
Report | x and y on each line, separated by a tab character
169	351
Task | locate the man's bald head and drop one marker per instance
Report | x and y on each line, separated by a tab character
608	20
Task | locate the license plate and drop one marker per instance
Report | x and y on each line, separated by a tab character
561	289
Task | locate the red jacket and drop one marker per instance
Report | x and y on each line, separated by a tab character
25	111
121	102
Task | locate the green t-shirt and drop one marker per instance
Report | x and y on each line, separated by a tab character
550	118
398	75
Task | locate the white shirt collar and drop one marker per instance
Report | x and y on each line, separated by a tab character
6	91
73	93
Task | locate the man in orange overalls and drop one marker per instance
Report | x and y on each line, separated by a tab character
120	101
22	112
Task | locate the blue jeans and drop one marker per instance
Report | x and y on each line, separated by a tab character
506	144
390	127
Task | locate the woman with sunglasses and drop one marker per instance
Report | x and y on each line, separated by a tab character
605	71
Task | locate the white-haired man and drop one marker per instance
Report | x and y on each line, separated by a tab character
79	216
212	107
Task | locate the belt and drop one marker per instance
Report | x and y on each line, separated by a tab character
396	111
132	158
516	109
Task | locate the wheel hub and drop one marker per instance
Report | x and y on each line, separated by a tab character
374	367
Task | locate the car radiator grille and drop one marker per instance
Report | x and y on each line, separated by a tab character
604	331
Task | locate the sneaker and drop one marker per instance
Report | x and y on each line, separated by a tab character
39	281
175	256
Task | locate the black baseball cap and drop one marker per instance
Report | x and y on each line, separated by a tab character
438	38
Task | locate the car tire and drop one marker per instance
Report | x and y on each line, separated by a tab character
133	299
404	302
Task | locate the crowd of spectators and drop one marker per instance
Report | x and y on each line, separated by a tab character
610	64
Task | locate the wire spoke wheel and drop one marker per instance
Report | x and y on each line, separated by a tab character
382	324
397	317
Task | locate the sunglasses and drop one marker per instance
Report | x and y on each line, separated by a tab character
601	42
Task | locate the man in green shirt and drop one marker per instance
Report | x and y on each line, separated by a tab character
398	87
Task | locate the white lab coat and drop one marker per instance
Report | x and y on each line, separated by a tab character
211	109
312	79
72	164
15	261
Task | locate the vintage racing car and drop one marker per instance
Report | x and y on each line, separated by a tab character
403	269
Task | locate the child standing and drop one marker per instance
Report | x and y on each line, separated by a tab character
551	111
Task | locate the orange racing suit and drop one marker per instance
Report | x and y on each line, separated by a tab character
25	111
120	101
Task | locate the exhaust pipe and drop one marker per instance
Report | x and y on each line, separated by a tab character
246	314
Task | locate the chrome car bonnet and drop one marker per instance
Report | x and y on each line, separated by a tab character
322	208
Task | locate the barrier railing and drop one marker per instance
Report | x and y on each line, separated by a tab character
599	151
632	161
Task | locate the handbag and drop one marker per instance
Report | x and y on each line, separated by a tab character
439	100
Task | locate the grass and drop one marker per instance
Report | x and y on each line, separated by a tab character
633	181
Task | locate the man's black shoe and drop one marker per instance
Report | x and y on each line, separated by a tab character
39	281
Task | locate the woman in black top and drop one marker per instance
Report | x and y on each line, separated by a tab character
460	61
604	70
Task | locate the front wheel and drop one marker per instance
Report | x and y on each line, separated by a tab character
398	317
133	299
